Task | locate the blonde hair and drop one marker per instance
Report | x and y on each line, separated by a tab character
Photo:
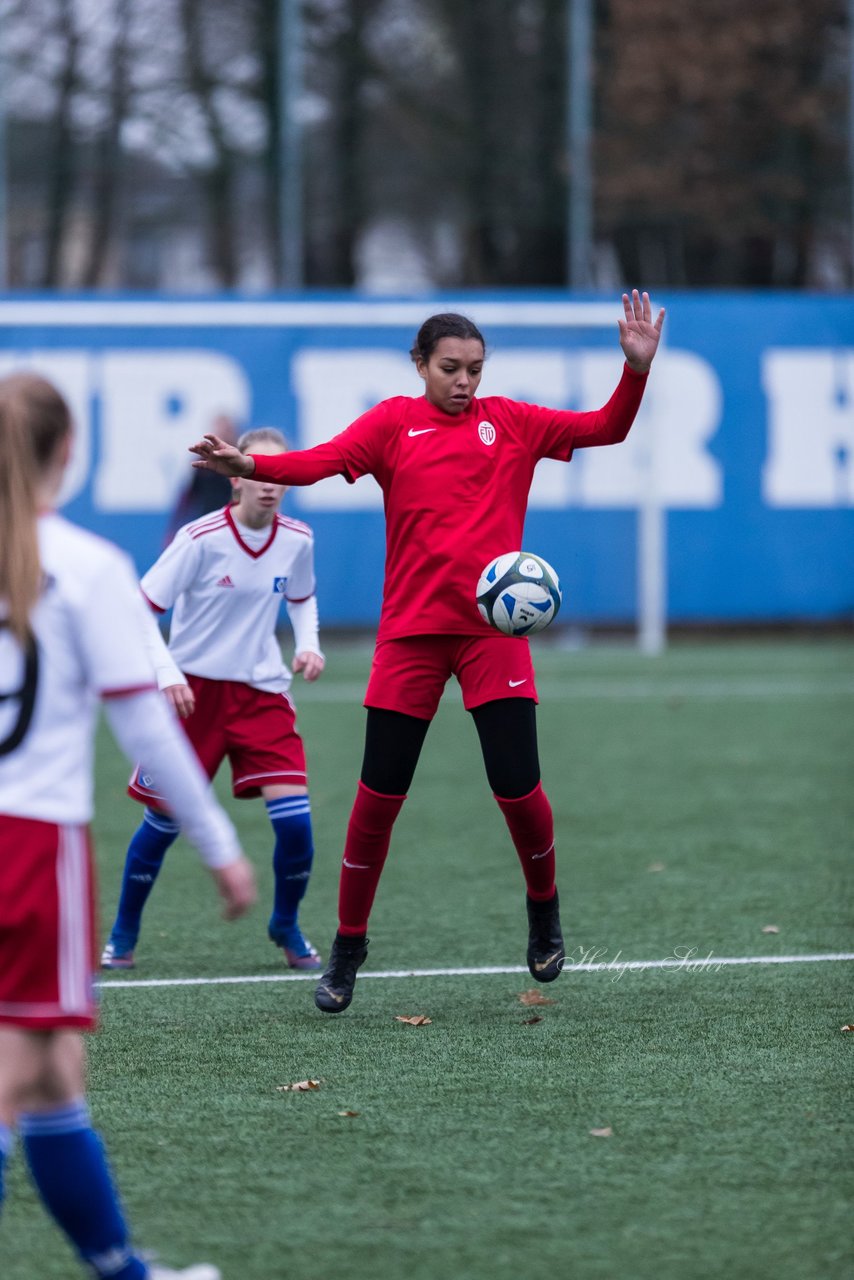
34	418
259	435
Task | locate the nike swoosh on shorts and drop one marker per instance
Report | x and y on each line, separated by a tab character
515	683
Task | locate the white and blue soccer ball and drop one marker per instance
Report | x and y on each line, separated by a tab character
518	593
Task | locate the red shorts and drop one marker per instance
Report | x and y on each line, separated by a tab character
47	925
255	730
410	674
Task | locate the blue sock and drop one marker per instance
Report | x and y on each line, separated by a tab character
145	855
6	1142
292	857
70	1170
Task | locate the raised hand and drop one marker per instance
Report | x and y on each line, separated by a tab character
217	455
639	337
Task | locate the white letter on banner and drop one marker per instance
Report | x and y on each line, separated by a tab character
332	389
810	396
153	405
679	414
70	372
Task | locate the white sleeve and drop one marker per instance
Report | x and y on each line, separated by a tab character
304	620
302	601
301	580
172	572
107	619
167	671
146	729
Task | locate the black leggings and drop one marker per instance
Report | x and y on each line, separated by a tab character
507	729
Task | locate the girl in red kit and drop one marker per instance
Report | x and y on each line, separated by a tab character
455	472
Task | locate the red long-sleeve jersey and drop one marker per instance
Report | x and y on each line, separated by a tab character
455	488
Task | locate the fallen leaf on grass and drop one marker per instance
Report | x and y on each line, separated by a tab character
299	1086
529	1022
849	1026
770	928
348	1113
607	1132
534	997
419	1020
656	866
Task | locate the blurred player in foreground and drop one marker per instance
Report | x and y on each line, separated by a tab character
455	473
71	627
226	575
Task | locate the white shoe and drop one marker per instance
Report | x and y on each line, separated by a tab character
201	1271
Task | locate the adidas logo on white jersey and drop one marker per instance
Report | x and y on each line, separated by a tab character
225	582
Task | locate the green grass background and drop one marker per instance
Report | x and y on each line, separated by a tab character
728	1092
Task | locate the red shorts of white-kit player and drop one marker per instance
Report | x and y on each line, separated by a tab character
255	730
410	674
47	925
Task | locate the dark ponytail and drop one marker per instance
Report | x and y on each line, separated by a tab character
33	419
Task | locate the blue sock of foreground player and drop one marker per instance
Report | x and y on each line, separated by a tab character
6	1141
292	857
145	855
70	1170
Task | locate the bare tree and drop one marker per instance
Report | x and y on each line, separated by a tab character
217	179
266	15
108	161
60	168
341	61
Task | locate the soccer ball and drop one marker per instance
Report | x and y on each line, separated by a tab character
518	593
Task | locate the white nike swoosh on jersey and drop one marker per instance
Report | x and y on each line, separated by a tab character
515	683
421	432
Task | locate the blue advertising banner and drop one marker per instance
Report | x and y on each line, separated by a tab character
745	437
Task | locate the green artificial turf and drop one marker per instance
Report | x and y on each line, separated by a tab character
700	798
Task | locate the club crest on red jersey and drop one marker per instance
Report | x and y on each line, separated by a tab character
486	431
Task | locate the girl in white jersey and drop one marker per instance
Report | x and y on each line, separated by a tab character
226	575
71	634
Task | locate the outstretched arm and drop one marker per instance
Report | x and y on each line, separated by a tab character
302	466
639	337
564	430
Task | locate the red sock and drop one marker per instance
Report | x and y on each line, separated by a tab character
531	826
365	851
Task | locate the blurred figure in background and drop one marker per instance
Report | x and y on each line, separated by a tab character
226	575
205	490
71	634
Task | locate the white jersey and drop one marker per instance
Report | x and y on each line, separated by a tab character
226	584
89	626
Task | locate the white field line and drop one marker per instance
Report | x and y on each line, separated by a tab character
693	964
582	687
